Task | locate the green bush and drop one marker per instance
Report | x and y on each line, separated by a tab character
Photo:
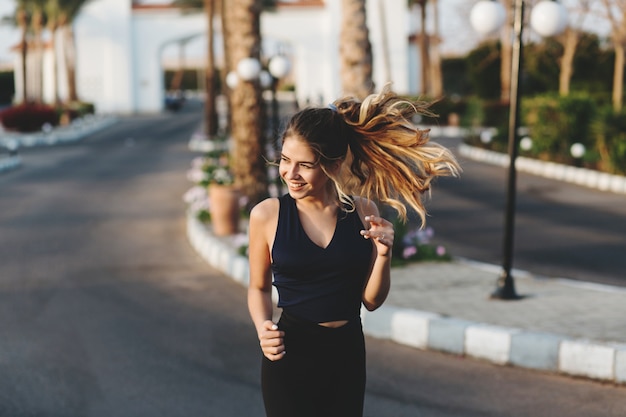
481	114
609	133
483	70
555	123
447	106
7	87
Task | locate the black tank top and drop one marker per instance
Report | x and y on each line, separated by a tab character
314	283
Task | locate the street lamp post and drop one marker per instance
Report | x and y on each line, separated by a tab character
279	66
548	18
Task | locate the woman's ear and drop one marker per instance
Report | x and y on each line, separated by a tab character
336	166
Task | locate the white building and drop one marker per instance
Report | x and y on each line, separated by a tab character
121	47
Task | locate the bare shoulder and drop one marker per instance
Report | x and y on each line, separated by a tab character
265	211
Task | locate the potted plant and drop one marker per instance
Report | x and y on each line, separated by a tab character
222	193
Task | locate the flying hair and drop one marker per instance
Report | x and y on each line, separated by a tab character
388	158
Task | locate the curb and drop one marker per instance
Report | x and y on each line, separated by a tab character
431	331
10	162
602	181
76	131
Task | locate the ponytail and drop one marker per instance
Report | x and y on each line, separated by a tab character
388	158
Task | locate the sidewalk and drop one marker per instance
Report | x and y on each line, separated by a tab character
559	325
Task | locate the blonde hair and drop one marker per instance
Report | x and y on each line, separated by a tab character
385	156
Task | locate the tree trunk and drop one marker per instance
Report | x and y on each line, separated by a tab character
567	60
424	47
22	21
210	114
52	28
384	40
226	69
247	107
355	50
506	53
618	78
435	57
37	24
70	61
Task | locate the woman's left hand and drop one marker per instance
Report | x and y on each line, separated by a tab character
382	232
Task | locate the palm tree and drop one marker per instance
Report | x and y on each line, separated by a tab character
68	11
52	9
616	14
21	17
436	73
355	50
506	52
37	24
243	40
431	77
210	8
423	45
210	113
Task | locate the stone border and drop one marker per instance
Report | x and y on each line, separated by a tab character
424	330
8	163
77	130
581	176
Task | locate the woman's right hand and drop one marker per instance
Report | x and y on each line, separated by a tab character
271	341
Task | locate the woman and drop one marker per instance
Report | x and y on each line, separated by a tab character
328	249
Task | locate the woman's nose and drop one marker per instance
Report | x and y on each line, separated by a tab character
292	171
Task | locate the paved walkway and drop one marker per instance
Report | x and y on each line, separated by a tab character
558	325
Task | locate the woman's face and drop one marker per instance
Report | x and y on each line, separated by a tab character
300	169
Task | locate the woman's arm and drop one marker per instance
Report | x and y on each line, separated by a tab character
381	232
262	227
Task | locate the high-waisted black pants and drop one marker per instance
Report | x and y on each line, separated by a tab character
322	373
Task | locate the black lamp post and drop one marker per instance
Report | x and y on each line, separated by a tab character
279	66
548	18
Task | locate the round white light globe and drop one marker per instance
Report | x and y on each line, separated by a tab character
526	143
577	150
487	16
248	69
548	18
232	79
486	136
279	66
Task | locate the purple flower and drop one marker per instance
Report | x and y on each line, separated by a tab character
441	250
409	251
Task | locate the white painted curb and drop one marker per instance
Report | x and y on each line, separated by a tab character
581	176
10	162
431	331
77	130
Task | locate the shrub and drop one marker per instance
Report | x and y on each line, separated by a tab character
556	123
28	117
414	245
7	87
609	133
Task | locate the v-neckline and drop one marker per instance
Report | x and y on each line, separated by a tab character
301	226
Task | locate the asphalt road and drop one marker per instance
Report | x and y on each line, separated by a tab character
105	309
561	230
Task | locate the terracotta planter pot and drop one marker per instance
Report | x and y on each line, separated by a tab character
224	209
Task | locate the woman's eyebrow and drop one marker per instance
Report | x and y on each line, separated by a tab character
282	155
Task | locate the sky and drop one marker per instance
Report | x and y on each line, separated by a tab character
458	36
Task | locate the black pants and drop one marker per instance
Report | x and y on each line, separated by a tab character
322	373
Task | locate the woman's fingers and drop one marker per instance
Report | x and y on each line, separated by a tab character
271	341
381	230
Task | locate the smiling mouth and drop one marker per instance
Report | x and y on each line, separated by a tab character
295	185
